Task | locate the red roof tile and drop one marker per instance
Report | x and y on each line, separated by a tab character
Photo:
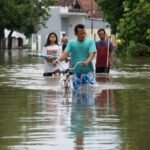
86	5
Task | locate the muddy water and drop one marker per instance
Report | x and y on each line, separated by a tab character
36	113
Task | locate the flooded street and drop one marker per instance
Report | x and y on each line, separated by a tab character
36	113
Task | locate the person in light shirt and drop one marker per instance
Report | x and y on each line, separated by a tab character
53	49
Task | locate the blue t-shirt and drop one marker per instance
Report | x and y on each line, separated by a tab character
80	52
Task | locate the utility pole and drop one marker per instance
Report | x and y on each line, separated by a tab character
37	7
37	22
92	19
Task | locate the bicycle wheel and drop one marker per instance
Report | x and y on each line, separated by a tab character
66	83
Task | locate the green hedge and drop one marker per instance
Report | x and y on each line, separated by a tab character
133	50
138	50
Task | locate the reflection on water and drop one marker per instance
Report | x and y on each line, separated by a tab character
93	121
35	113
82	117
134	117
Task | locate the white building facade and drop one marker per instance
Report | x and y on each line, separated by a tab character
63	20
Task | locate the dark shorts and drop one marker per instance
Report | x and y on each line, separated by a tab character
47	74
102	70
50	73
64	46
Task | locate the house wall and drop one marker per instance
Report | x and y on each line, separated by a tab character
52	25
63	21
97	24
64	25
15	37
72	22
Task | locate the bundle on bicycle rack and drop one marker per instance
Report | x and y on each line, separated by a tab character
66	82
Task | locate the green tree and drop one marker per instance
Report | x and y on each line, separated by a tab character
134	27
135	24
5	15
23	16
130	20
112	11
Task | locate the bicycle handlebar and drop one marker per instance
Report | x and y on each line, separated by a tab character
71	68
76	65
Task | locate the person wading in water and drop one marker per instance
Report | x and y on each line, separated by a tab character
64	41
104	60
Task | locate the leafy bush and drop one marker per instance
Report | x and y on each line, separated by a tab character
138	50
133	49
120	50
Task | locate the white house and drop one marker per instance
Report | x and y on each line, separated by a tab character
64	18
61	21
18	39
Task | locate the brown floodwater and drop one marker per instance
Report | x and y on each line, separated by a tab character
37	114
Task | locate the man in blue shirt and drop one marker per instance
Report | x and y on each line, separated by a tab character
83	50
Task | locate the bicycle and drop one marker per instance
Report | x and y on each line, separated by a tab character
66	83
